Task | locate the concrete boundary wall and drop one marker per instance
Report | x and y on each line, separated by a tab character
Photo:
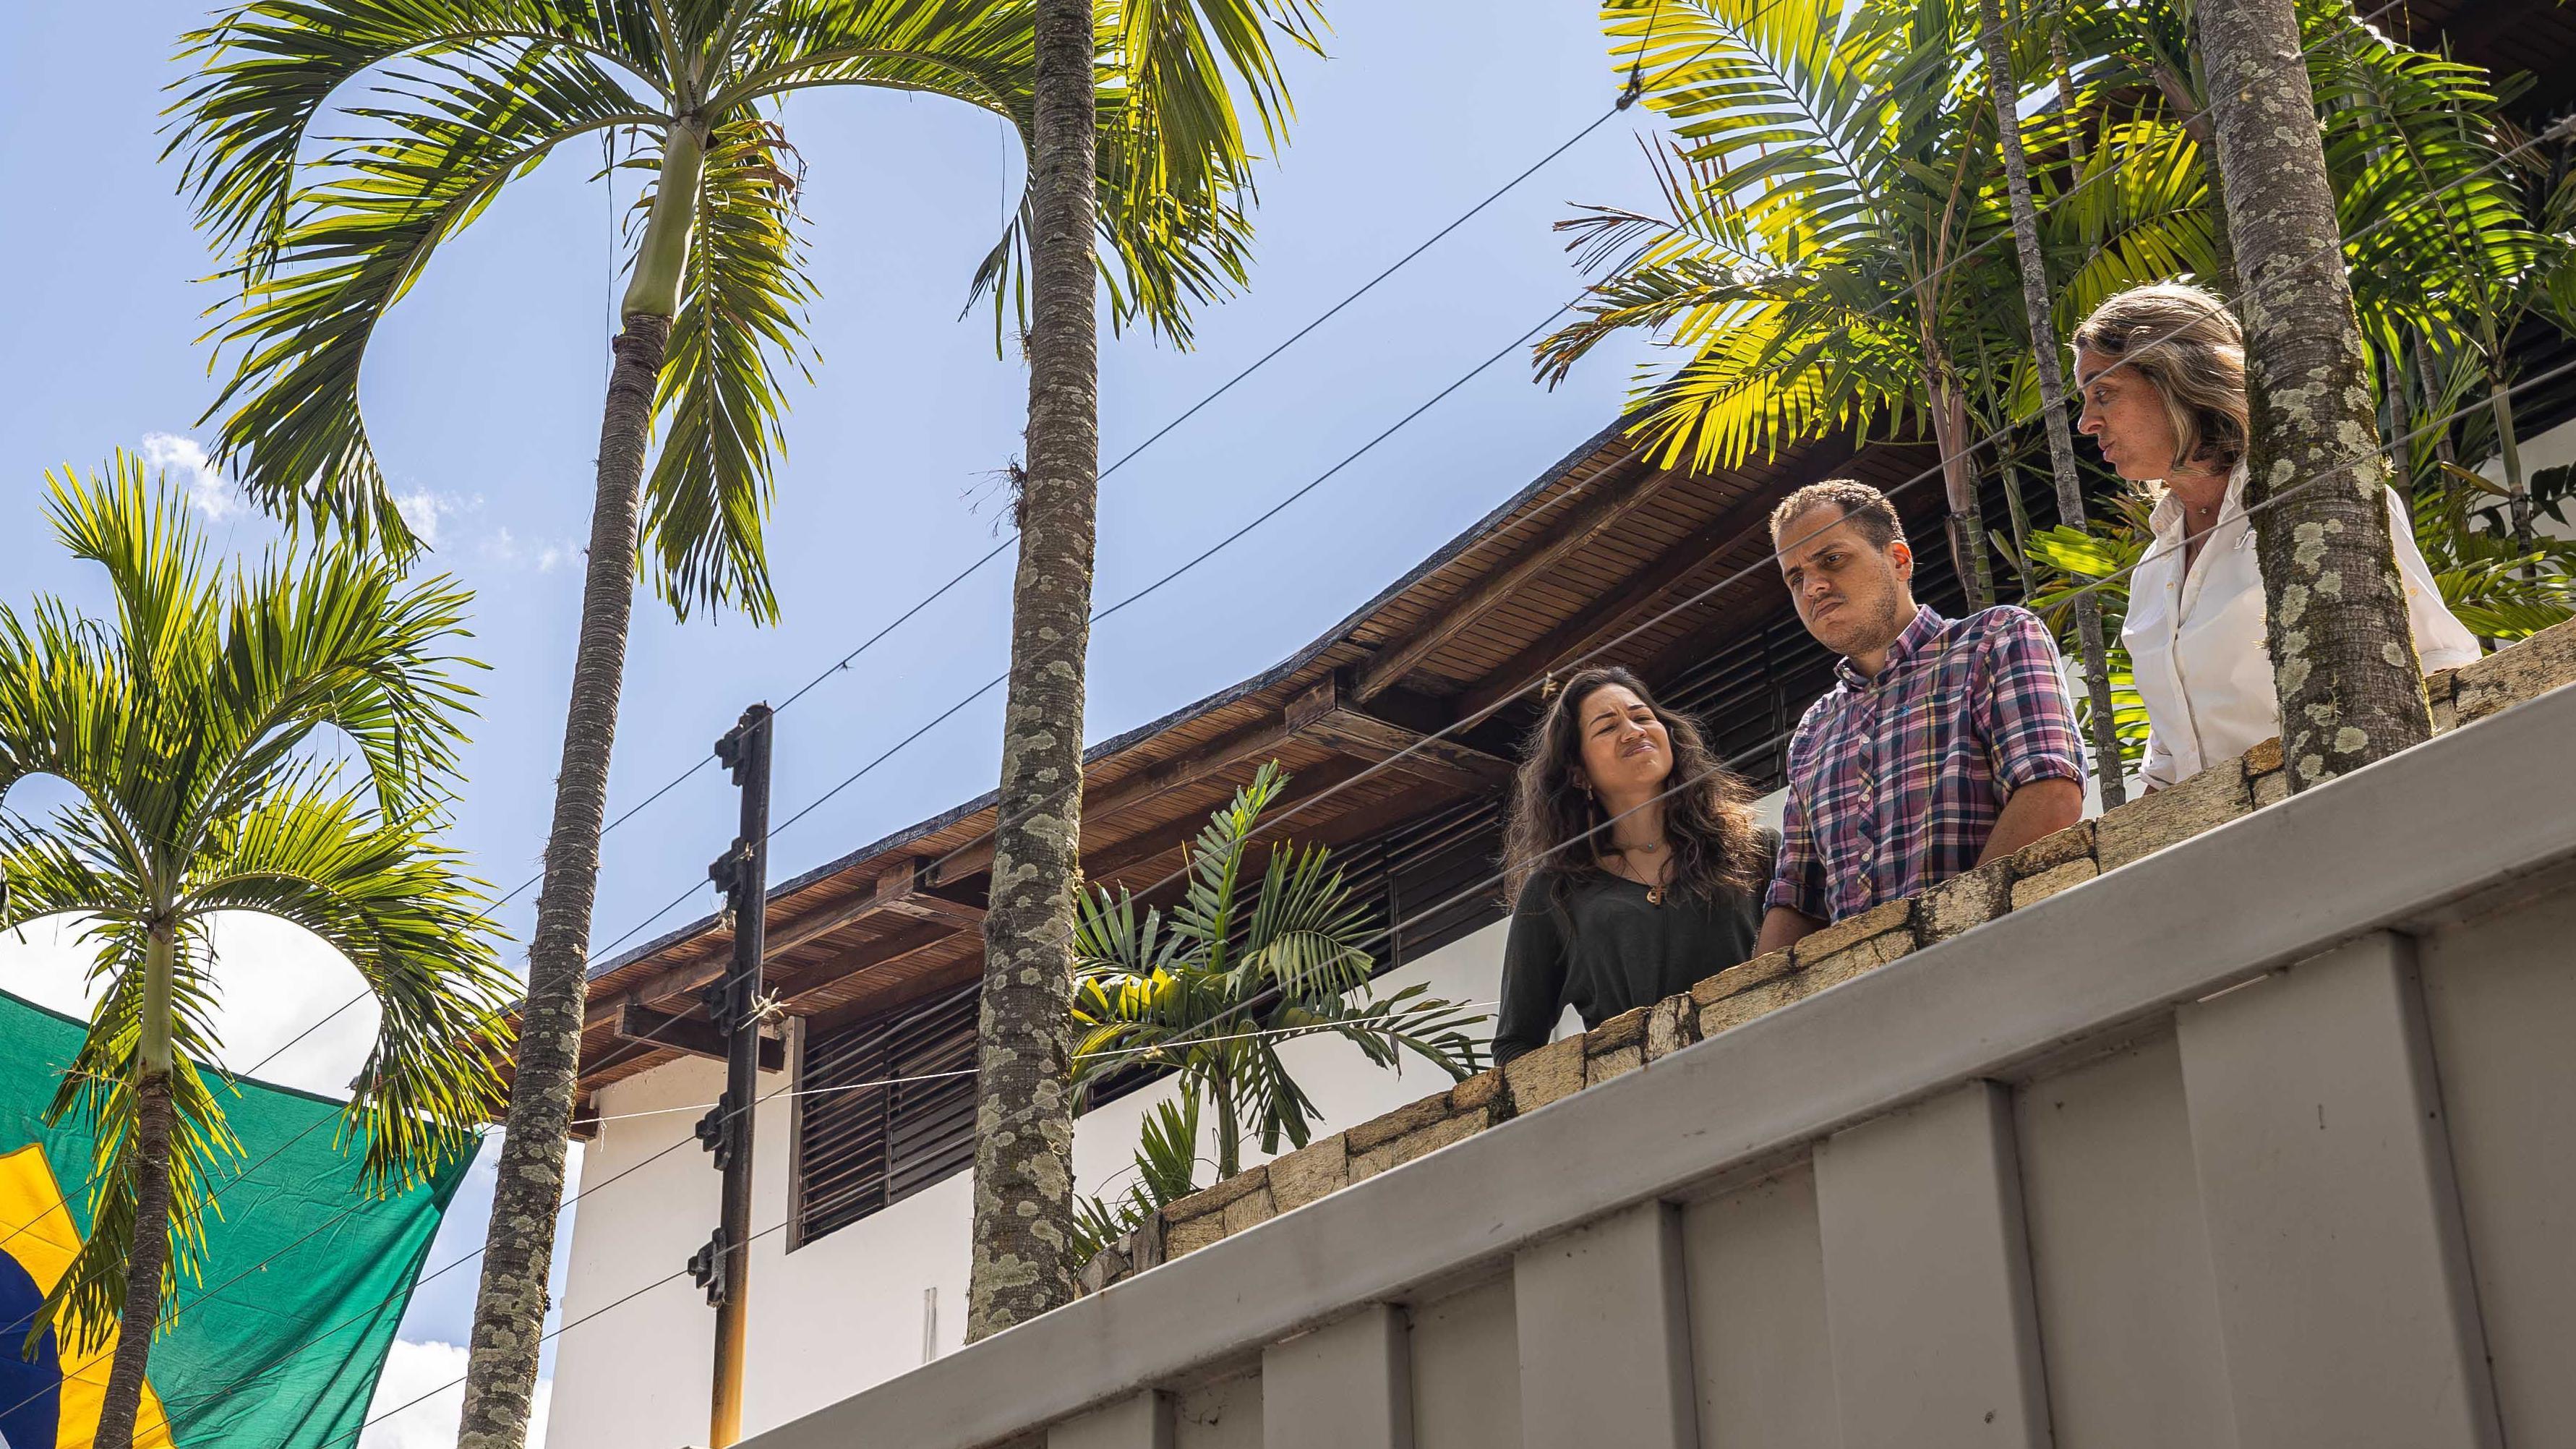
2475	831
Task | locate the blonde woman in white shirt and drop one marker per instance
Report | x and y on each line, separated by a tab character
2162	371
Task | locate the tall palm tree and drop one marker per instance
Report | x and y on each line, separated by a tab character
1827	253
185	730
461	97
1177	64
2038	302
1252	957
2343	653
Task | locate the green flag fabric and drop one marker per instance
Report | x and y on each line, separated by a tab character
278	1342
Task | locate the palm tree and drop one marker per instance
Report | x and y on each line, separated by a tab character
1176	63
1832	203
2037	303
184	729
1244	964
468	95
2343	653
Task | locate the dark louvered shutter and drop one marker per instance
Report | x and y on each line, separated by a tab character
840	1129
931	1123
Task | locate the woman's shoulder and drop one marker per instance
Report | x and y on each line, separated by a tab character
1538	893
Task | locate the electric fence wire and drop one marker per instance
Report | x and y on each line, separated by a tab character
645	1041
2327	476
1488	882
2276	499
1622	104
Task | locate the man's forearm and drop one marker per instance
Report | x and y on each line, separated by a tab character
2039	808
1782	927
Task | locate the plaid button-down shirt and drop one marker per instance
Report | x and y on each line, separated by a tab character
1895	782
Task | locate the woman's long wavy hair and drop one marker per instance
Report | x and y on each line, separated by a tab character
2188	346
1558	825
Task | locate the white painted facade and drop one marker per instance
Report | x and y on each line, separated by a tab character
858	1306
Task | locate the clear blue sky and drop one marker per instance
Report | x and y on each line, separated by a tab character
483	395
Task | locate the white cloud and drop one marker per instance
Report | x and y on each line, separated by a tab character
421	512
184	459
435	1369
275	981
504	548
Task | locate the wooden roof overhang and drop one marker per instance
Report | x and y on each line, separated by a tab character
1592	556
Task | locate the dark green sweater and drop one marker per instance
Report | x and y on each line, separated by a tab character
1608	949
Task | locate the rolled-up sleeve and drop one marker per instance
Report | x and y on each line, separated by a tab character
2022	708
1798	881
2441	640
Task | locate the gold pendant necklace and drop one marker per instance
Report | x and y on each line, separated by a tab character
1654	895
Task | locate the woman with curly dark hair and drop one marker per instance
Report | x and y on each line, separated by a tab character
1633	861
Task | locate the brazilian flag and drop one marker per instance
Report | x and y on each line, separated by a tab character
278	1343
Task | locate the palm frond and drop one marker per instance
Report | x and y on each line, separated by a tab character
267	72
402	912
447	135
741	319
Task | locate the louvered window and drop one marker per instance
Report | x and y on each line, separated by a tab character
870	1131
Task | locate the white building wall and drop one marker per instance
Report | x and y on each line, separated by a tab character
851	1309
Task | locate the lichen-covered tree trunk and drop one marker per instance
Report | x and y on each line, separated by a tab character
510	1306
1022	1245
145	1265
2343	654
2035	294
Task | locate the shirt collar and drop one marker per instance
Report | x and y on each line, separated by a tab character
1926	626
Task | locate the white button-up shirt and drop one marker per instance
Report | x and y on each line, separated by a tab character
2196	637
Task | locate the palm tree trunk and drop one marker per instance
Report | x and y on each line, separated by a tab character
1959	477
2063	68
510	1306
1229	1130
149	1258
2517	486
2036	306
2343	652
1022	1240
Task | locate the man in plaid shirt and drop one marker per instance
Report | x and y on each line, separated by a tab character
1947	742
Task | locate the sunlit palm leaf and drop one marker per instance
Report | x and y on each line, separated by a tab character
741	319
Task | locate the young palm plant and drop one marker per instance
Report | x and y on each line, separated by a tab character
1250	959
183	729
460	98
1166	1167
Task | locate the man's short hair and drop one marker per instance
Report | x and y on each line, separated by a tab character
1863	507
